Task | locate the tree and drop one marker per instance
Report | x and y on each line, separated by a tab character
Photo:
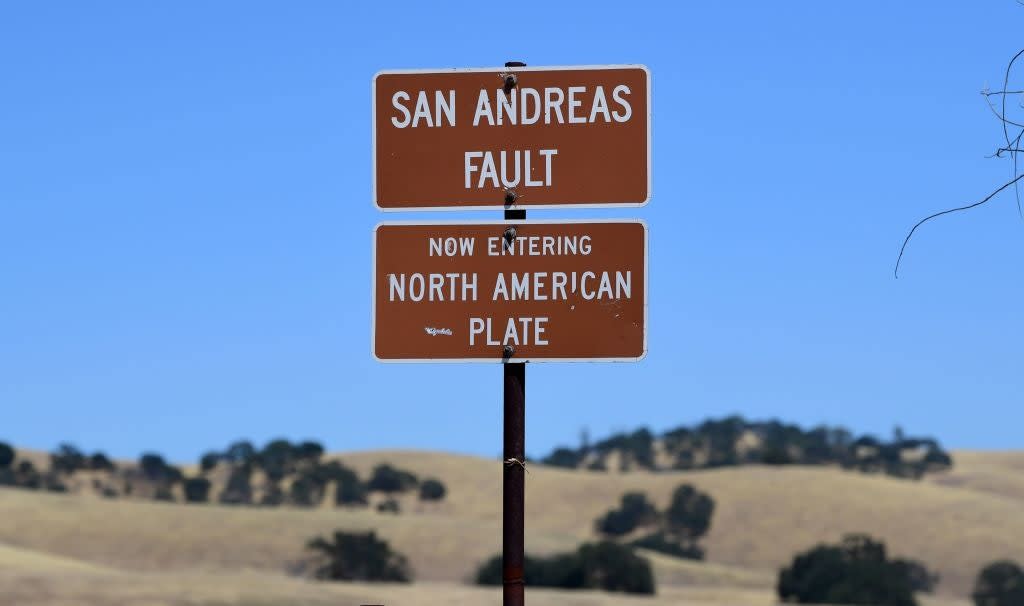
241	451
563	457
7	455
854	572
238	490
389	479
305	491
310	451
67	459
152	466
999	583
606	565
209	461
432	490
633	511
197	490
689	513
358	557
348	489
99	462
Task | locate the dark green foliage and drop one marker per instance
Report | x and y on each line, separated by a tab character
719	442
8	477
349	489
310	451
606	565
637	446
152	466
388	506
99	462
163	493
999	583
197	490
564	457
272	496
209	461
240	452
389	479
432	490
921	579
67	459
662	543
305	491
7	455
854	572
238	490
634	511
358	557
689	513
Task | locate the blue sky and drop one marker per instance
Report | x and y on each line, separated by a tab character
185	221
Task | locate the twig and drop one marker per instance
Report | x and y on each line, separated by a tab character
946	212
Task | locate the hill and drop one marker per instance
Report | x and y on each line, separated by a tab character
136	552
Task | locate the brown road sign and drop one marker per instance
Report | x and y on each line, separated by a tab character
543	136
553	291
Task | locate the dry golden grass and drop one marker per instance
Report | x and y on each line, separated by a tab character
68	549
249	589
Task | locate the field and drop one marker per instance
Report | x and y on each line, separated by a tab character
81	550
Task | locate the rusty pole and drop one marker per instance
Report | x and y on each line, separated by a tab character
514	457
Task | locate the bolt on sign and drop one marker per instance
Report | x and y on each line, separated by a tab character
528	291
533	137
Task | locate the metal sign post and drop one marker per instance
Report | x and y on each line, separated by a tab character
514	291
513	490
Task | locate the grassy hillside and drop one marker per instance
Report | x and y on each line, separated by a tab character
156	553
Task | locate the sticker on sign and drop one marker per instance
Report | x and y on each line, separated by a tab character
525	291
532	137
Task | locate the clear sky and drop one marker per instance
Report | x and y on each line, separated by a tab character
185	222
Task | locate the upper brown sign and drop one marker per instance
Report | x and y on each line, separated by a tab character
541	136
547	291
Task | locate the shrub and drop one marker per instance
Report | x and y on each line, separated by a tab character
999	583
7	455
388	506
197	490
432	490
854	572
358	557
389	479
606	565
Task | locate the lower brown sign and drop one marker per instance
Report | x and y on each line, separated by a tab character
526	291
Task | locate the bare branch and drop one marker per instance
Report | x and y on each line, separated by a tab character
946	212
